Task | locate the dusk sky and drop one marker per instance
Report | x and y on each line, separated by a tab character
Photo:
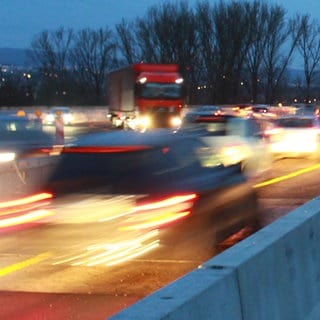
21	20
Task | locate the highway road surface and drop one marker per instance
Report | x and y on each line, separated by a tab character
45	271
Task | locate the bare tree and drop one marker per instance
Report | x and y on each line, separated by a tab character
279	49
126	42
308	47
167	33
232	40
93	55
50	51
208	59
259	12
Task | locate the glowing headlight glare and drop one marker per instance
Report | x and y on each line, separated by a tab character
67	117
176	121
7	156
50	118
145	121
178	81
143	80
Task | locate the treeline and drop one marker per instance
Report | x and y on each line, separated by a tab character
229	51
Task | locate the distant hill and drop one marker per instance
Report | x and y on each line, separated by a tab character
15	57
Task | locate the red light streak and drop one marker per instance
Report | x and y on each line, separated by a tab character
111	149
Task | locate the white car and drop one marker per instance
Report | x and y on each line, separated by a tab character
295	136
239	140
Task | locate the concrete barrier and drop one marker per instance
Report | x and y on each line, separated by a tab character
25	176
274	274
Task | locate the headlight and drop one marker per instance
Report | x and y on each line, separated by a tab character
50	118
145	121
7	156
176	121
67	118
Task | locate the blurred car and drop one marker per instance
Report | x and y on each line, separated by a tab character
260	109
242	109
238	140
21	204
203	113
158	184
308	110
50	117
263	111
21	137
295	136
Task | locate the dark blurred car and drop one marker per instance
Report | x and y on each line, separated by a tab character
21	137
203	113
21	204
263	111
260	109
139	184
242	109
308	110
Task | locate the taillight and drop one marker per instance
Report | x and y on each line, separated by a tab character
155	214
24	210
103	149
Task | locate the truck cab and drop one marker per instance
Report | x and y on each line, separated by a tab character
146	96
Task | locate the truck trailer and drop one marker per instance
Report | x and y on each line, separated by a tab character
145	96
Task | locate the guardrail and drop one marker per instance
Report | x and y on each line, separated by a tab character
273	274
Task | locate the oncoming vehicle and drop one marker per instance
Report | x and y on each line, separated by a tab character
162	187
64	112
295	136
22	143
21	137
146	96
203	113
242	109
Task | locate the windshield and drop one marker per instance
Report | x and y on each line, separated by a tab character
154	90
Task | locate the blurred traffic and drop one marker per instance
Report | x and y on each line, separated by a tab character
146	188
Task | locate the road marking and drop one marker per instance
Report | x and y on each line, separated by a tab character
24	264
287	176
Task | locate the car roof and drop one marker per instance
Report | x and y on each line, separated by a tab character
153	138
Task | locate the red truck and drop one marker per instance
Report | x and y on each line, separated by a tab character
145	96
